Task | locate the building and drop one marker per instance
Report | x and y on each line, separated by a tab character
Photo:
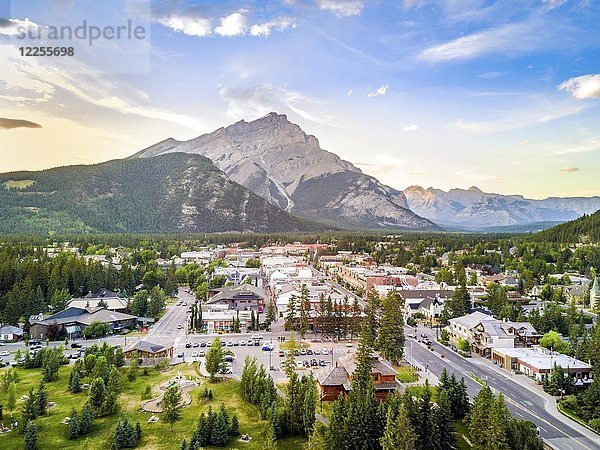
148	351
430	303
8	333
219	318
575	293
72	321
244	297
102	299
595	293
538	362
335	381
238	275
485	333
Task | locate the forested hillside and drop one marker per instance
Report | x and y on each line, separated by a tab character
171	193
585	229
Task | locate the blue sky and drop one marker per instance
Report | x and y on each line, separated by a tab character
504	95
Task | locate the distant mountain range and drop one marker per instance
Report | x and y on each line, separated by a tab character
474	209
261	176
275	159
170	193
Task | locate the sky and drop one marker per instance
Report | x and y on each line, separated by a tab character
503	95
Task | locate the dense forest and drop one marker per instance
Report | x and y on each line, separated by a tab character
171	193
586	229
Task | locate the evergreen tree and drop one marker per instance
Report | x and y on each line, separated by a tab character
442	421
234	426
425	420
184	445
304	311
31	436
479	419
390	340
219	435
41	399
74	382
86	419
171	405
11	397
291	315
270	442
29	411
97	393
73	425
399	433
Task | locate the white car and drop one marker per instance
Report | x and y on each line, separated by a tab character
194	354
4	353
324	351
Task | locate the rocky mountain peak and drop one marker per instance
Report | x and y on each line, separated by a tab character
277	160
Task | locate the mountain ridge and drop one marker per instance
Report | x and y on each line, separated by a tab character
474	209
171	193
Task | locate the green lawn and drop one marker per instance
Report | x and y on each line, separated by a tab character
461	430
406	374
20	184
53	434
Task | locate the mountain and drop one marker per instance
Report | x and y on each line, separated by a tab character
275	159
474	209
171	193
585	229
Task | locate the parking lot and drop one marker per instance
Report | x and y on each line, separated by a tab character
313	355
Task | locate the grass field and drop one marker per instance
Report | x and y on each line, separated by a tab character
52	435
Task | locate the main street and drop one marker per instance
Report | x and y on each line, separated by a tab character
557	430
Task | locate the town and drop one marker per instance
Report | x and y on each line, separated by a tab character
486	312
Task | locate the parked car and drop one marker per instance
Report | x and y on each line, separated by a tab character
4	353
281	354
236	343
201	353
313	362
180	355
268	347
242	343
179	327
194	354
188	345
309	352
75	345
324	351
302	351
202	344
257	343
229	344
228	358
195	345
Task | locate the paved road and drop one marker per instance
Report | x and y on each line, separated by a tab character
351	295
560	432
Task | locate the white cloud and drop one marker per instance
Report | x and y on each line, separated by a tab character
232	25
586	86
381	91
509	38
569	169
260	100
342	8
411	127
418	173
492	75
589	145
278	23
12	27
190	25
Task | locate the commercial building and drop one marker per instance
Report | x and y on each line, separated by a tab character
538	362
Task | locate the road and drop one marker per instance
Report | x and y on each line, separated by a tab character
341	289
559	432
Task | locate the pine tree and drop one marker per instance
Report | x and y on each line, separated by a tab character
74	382
86	419
442	421
183	445
291	315
497	426
41	399
219	435
234	426
270	442
425	428
479	419
97	393
73	425
399	433
171	405
214	359
304	312
309	404
29	411
390	340
31	436
11	397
